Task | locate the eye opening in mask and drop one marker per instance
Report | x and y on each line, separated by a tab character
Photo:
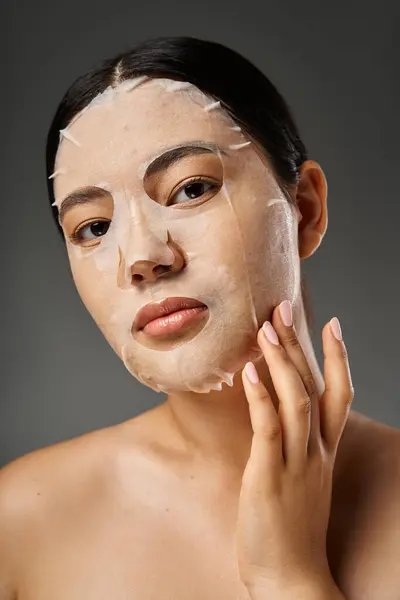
215	187
76	237
184	165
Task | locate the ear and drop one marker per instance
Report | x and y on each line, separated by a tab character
311	198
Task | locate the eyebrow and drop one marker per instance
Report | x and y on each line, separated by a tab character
172	155
88	194
84	195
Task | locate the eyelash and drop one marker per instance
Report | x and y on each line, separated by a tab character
188	182
76	236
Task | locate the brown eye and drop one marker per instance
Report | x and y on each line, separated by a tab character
91	231
192	190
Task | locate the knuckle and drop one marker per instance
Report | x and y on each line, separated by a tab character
304	406
309	384
271	433
263	395
291	339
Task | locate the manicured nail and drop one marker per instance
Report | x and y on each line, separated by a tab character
251	372
270	333
336	329
285	309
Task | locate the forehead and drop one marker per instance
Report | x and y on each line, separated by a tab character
114	139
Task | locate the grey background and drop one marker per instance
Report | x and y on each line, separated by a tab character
338	68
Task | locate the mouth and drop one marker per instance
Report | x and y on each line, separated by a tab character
170	316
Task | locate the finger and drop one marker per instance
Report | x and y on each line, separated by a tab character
266	451
336	400
289	340
294	402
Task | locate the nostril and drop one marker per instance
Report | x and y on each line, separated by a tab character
150	273
160	269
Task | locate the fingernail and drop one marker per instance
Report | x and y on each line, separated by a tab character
251	372
285	309
336	329
270	333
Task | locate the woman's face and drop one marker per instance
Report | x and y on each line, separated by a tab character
230	240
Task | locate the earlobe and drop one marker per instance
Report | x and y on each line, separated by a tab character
311	199
309	243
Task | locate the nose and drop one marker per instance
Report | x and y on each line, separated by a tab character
162	260
147	270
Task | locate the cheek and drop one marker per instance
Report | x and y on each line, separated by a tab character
93	286
269	235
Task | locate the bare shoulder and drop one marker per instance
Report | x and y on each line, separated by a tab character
30	482
25	486
364	530
61	464
369	452
47	474
368	461
53	484
25	479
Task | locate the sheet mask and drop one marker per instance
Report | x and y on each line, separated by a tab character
240	245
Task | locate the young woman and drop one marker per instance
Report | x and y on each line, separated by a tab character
180	184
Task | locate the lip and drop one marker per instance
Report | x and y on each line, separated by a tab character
165	307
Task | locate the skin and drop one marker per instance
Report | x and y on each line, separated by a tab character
287	484
149	508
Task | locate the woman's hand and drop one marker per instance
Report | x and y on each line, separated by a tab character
285	498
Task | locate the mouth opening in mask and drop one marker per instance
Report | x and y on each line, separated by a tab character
170	320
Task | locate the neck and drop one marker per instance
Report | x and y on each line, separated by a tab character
215	428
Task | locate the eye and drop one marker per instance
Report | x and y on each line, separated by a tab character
84	233
192	190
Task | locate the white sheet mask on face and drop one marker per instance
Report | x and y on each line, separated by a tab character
241	244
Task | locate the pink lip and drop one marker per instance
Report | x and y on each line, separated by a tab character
156	310
175	322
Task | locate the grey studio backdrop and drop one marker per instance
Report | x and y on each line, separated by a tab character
338	68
